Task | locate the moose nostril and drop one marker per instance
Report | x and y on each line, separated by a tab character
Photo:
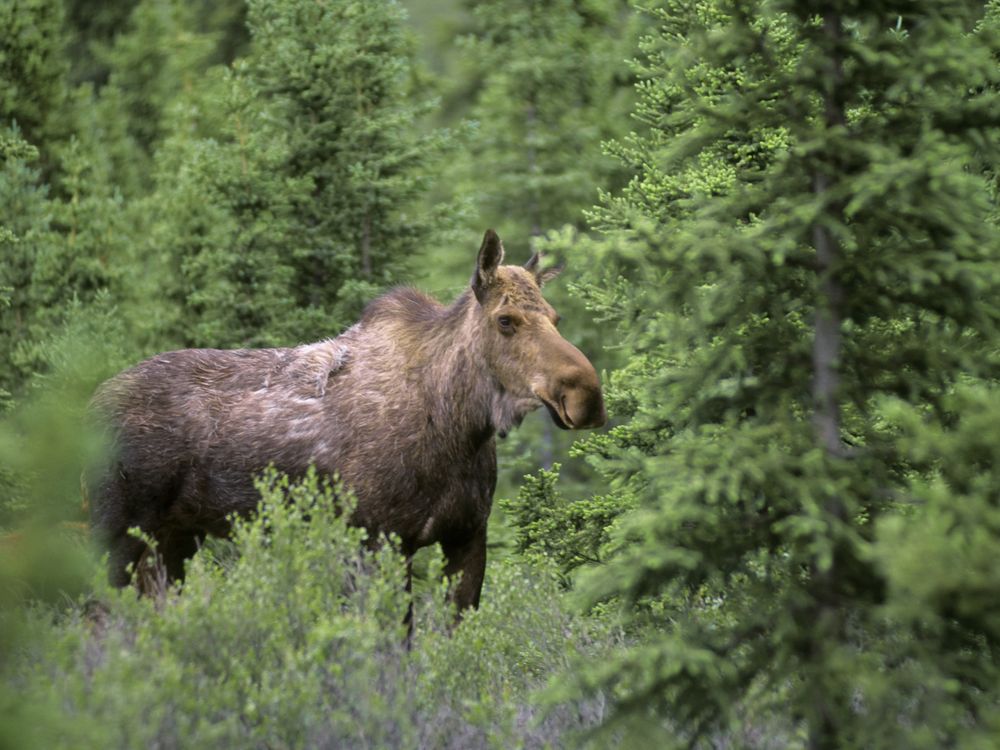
565	411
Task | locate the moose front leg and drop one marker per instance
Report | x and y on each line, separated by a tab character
469	559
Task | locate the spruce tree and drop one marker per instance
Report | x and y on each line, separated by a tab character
302	206
551	82
33	69
806	266
25	233
158	55
91	29
68	225
339	76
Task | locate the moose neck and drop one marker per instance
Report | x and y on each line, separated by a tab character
462	390
442	350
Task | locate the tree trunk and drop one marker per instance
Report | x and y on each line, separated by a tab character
828	618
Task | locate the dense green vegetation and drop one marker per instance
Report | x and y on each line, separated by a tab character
781	224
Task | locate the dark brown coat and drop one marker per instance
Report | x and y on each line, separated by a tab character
404	406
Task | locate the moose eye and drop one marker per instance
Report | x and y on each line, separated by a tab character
506	323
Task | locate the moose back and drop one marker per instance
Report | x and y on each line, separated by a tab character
405	406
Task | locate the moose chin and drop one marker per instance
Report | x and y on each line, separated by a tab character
404	406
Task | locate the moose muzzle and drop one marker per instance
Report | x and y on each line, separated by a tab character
572	393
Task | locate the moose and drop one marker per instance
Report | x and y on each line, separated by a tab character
404	406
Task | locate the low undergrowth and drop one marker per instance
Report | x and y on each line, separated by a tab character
297	640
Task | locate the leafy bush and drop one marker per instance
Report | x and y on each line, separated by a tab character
298	640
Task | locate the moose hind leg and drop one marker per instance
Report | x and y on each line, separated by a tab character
125	552
176	548
468	558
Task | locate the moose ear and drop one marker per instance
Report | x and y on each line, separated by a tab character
490	258
546	275
542	275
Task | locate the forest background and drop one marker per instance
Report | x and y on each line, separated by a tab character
780	221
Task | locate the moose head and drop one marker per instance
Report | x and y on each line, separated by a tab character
532	364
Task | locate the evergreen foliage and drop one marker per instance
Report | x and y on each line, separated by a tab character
339	75
300	207
33	69
564	531
59	254
26	233
157	56
551	83
806	244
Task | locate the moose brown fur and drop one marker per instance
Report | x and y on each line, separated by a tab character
404	405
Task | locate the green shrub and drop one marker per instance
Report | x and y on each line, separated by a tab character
297	640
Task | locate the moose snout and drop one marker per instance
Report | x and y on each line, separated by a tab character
583	406
573	396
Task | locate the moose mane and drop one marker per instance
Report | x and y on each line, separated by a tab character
410	306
